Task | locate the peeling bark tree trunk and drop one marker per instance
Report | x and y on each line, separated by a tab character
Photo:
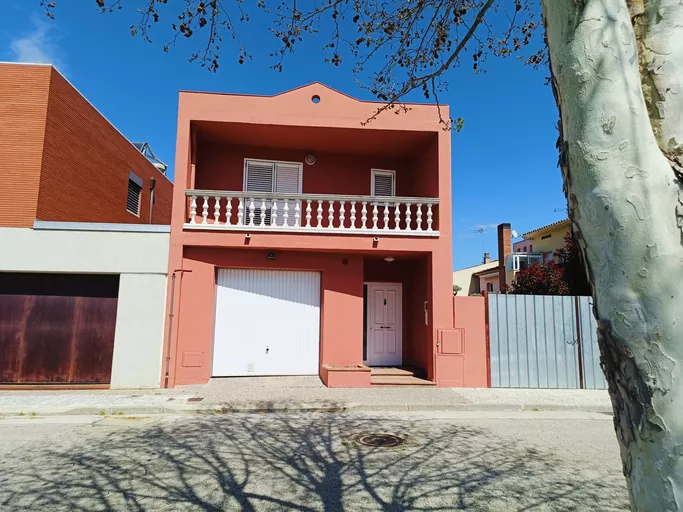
617	70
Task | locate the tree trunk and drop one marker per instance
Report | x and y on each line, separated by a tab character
617	69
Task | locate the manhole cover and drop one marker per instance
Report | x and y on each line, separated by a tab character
380	440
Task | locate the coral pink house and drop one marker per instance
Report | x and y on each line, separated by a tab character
303	242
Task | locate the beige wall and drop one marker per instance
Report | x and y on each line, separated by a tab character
139	254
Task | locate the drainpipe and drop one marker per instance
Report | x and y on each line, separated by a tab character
170	331
170	326
152	184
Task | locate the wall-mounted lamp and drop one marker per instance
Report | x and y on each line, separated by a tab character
389	259
310	159
271	256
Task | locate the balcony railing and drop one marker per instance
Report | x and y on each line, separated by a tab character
314	213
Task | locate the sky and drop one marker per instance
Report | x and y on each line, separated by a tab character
504	161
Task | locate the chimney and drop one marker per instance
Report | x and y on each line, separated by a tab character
487	257
504	248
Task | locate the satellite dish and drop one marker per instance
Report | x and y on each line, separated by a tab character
514	234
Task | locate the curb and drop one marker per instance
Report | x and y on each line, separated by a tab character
255	408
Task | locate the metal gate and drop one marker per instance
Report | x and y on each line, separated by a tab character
57	328
543	341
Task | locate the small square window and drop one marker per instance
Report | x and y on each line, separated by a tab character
134	192
383	183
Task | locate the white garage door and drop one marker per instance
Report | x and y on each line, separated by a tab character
267	323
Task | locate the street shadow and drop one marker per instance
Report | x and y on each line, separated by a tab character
306	462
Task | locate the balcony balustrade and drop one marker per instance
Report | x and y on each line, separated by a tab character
311	213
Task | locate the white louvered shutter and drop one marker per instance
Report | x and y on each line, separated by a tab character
383	184
287	181
259	178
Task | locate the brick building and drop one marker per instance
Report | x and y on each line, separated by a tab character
83	240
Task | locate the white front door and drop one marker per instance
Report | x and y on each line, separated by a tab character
385	346
267	323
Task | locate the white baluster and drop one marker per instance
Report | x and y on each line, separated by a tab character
320	214
217	210
285	215
273	213
429	217
397	216
308	213
342	214
364	216
330	215
353	214
251	211
386	216
375	216
240	212
193	210
418	217
205	210
228	214
262	213
297	214
408	228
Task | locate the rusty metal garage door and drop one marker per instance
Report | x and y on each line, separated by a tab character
57	328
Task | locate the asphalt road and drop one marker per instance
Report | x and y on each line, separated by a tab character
450	461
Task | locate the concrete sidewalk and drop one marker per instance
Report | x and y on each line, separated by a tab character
295	394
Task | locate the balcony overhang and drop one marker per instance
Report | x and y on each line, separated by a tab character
352	141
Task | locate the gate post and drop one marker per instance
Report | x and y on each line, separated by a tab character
578	340
488	338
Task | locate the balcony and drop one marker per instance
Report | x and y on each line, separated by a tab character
520	260
312	213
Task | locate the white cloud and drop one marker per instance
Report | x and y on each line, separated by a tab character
37	47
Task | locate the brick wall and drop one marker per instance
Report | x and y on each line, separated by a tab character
504	248
23	106
86	164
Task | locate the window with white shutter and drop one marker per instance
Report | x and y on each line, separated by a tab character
259	176
273	177
383	183
287	181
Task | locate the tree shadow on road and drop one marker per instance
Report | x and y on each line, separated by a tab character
301	462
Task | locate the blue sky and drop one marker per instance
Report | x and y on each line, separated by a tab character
504	160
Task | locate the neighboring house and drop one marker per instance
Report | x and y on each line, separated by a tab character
305	242
82	271
544	241
478	278
537	246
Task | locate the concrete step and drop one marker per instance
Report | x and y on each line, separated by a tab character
398	381
393	371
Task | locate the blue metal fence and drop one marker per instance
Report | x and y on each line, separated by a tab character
593	377
534	342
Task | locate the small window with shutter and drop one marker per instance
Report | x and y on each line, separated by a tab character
134	191
383	183
275	178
